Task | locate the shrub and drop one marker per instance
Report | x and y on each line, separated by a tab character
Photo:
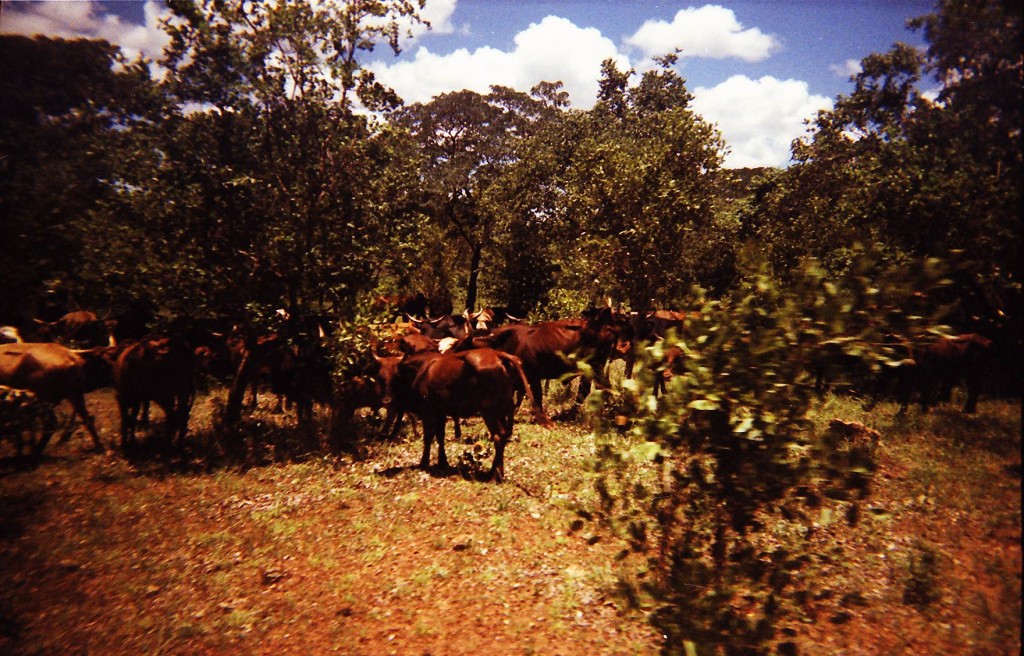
718	484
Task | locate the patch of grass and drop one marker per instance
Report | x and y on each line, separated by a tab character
429	574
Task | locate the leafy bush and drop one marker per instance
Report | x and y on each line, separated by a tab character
718	483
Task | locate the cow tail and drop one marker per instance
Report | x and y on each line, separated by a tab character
518	367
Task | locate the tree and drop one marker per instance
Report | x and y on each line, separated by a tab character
269	189
469	141
67	110
640	187
921	177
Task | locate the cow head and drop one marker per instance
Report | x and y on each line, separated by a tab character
386	374
98	368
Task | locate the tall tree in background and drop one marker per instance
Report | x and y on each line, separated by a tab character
920	177
468	141
640	187
270	189
67	112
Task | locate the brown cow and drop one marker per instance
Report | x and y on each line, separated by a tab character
935	369
78	328
551	349
436	386
54	373
161	370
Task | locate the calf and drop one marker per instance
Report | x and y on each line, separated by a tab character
55	373
433	386
161	370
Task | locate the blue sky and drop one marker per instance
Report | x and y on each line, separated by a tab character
757	68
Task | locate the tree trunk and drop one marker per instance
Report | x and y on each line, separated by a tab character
474	274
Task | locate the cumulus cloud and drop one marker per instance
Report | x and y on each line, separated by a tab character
847	69
539	54
85	19
708	31
758	118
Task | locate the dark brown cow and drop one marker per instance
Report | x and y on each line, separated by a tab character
300	374
161	370
55	373
647	327
361	391
436	386
936	368
551	349
444	326
78	328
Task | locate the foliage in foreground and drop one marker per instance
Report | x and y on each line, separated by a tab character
719	482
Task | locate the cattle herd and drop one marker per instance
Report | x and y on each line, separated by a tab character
433	365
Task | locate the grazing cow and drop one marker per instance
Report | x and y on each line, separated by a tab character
161	370
25	418
936	368
299	374
436	386
361	391
551	349
443	326
55	373
481	322
10	335
80	328
647	327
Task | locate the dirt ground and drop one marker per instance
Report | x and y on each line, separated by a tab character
284	554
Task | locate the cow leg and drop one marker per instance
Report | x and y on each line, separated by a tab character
128	415
428	437
78	403
497	473
442	457
971	404
47	423
143	413
539	416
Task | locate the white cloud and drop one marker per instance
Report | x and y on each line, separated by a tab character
85	19
539	55
708	31
439	14
758	118
847	69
